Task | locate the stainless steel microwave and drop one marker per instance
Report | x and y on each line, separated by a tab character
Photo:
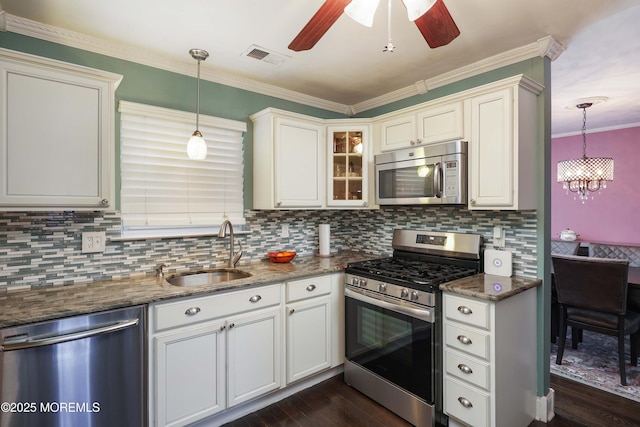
431	174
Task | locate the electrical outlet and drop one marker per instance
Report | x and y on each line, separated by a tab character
284	232
93	242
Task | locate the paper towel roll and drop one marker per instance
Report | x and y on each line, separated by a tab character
324	233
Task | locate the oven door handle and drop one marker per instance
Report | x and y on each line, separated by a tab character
418	313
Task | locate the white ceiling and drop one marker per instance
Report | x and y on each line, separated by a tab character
347	67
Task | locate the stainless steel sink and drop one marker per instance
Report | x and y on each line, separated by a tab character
207	277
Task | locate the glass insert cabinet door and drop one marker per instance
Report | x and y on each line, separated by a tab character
348	154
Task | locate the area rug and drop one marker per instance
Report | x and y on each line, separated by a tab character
595	363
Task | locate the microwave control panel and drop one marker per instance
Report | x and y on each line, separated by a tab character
451	185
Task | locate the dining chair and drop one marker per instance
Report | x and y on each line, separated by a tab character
559	247
592	295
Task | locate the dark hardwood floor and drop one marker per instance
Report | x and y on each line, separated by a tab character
333	403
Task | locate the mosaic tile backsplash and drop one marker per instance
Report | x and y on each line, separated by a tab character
44	248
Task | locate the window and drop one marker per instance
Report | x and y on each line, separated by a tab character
163	192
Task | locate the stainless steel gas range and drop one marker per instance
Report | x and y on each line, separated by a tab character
393	320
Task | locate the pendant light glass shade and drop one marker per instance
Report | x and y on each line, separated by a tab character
586	175
362	11
417	8
197	146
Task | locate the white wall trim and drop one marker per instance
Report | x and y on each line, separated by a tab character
545	406
546	46
604	129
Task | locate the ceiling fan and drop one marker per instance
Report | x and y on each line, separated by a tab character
435	24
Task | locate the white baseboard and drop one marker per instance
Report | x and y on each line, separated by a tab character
545	407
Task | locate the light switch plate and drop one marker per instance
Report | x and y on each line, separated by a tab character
93	241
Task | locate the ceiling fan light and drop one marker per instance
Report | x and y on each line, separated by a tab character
417	8
362	11
197	147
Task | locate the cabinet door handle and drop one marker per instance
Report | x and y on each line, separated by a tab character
472	201
192	311
311	288
232	325
105	202
464	310
255	298
292	311
222	328
464	340
465	402
464	368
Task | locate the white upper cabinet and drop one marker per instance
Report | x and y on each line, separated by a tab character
57	144
502	145
429	123
349	154
288	160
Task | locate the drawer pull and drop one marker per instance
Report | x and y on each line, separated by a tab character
464	340
464	310
465	402
464	368
255	298
311	288
192	311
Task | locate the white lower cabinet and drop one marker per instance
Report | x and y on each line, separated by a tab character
490	360
213	352
309	327
220	351
190	374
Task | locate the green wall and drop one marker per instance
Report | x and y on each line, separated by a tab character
161	88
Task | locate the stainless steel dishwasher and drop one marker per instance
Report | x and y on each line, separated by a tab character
79	371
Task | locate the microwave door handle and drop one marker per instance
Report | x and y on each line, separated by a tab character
437	180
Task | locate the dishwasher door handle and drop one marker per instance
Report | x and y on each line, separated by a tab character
58	339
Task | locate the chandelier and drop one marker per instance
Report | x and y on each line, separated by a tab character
586	175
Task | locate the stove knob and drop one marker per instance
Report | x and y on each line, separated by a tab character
382	287
354	281
414	296
363	283
404	293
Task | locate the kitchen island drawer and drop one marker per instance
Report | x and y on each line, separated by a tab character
467	369
467	340
467	405
308	288
465	310
198	309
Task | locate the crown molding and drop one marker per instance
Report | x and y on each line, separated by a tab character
73	39
596	130
544	47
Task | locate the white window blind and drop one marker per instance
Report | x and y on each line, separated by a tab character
161	188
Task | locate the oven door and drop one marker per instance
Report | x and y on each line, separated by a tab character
395	342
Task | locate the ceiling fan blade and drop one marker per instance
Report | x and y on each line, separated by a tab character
319	24
437	25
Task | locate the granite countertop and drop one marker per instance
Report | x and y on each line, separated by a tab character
50	302
490	287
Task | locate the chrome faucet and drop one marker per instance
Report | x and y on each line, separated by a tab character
233	257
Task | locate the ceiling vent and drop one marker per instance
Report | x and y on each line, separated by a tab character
264	55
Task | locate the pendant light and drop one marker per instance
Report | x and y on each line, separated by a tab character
586	175
197	146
